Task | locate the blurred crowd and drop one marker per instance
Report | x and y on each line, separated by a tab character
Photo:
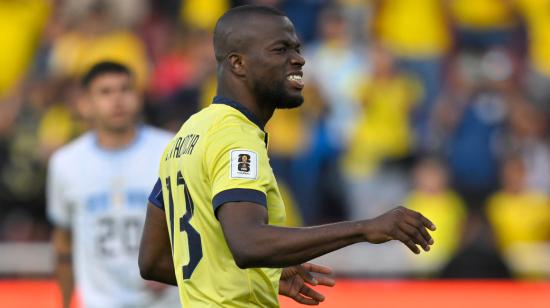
438	105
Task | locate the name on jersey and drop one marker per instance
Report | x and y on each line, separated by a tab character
182	146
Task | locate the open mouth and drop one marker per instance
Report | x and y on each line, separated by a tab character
296	80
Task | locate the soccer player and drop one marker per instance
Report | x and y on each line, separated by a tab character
97	188
222	208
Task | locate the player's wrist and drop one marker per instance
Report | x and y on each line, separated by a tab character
362	229
370	230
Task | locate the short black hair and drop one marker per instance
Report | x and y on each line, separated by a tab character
223	41
102	68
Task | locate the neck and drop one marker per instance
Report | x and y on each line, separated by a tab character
115	140
262	111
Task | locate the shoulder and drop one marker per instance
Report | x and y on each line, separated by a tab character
158	135
67	159
233	133
231	122
219	121
74	149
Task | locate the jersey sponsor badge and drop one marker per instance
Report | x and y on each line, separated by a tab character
244	164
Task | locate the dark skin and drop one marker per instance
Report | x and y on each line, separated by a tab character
256	75
157	264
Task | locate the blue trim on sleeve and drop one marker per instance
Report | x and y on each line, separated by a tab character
156	195
238	195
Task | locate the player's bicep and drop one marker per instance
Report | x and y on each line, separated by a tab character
239	221
241	213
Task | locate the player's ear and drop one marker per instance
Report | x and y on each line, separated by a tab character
237	64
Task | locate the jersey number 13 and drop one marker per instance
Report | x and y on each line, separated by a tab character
193	237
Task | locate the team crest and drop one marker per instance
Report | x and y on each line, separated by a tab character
244	164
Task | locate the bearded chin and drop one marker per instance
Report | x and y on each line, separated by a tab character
277	96
291	101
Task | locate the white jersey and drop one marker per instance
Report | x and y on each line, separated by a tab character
101	195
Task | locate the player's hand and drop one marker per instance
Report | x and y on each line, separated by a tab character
401	224
295	279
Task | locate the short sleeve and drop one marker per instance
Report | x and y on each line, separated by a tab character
58	206
238	165
156	195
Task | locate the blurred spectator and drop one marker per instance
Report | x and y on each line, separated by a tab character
289	135
382	140
536	16
527	138
128	12
304	14
384	130
472	116
21	24
183	81
432	197
336	65
417	33
359	15
519	217
202	14
477	258
22	176
93	38
184	63
483	24
517	214
63	119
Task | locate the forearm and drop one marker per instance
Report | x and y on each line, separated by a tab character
155	254
163	272
65	280
255	243
61	239
272	246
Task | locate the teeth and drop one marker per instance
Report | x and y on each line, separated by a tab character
294	78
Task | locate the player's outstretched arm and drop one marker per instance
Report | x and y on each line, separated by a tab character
254	243
155	253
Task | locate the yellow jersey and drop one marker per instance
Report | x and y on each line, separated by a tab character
536	14
482	15
447	211
21	26
219	155
519	218
414	29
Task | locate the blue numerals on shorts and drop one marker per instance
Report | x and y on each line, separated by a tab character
193	237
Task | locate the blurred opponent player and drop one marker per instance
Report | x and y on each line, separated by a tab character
222	207
97	188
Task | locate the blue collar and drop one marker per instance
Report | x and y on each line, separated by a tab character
247	113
